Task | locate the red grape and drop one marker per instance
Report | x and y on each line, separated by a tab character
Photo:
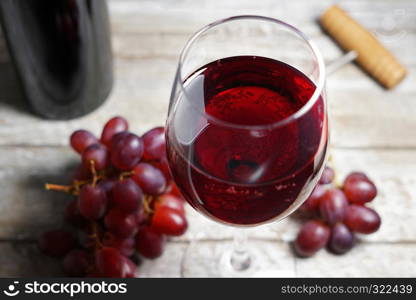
76	263
118	137
312	237
333	206
127	151
73	215
327	176
130	267
113	126
107	186
113	223
121	224
94	273
356	175
56	242
98	154
314	200
125	246
149	178
170	201
174	190
111	263
362	219
149	243
90	234
154	144
92	202
168	221
127	195
341	239
81	139
141	216
163	166
359	190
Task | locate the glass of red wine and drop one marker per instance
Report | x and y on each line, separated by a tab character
247	128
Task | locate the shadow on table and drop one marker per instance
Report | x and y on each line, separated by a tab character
37	211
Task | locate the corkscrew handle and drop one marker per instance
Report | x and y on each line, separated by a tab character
370	53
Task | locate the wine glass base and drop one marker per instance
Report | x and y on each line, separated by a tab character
213	259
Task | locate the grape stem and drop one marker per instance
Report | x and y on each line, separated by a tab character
147	201
96	239
77	185
94	173
126	174
72	189
57	187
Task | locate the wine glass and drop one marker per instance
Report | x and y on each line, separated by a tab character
247	129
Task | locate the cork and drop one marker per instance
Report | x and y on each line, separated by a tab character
372	56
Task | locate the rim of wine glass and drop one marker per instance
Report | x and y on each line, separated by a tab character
315	96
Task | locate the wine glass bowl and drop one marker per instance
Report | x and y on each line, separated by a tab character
247	128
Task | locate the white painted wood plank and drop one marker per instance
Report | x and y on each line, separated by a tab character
393	172
26	209
285	9
23	259
269	259
362	114
170	264
364	260
372	117
147	40
275	260
148	36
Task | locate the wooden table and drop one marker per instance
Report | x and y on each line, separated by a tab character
372	130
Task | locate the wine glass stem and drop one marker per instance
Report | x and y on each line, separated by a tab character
240	257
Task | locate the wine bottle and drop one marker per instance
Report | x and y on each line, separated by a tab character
62	53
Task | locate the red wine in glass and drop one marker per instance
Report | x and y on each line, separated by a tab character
253	171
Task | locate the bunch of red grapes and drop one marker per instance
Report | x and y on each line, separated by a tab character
337	214
126	203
